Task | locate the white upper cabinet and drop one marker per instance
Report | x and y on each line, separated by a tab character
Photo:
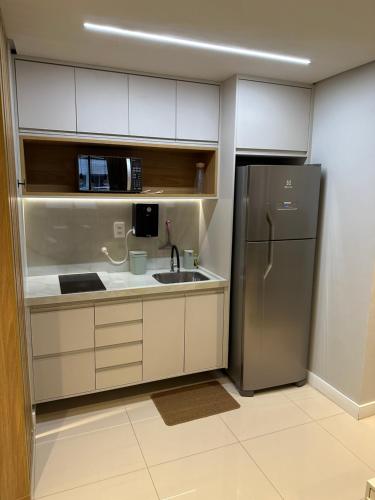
197	111
152	107
272	116
63	98
46	96
102	102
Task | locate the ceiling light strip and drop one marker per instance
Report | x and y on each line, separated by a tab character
229	49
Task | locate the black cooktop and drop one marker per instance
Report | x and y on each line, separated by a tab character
75	283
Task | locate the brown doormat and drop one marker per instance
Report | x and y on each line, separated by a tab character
195	401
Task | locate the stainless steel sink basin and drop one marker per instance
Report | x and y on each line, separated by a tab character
179	277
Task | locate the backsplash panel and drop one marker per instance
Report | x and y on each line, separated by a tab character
65	236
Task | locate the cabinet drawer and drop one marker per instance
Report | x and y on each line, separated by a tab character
118	334
120	375
118	313
62	331
118	355
65	375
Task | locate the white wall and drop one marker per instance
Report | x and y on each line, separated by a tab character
343	140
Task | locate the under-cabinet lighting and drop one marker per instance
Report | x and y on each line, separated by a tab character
188	42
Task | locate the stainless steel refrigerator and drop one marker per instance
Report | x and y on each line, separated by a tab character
274	236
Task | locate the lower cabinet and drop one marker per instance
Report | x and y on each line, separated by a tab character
118	355
204	326
63	375
163	338
117	376
97	347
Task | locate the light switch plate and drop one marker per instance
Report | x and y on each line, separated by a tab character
119	229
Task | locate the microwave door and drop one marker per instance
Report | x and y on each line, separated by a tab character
99	174
117	175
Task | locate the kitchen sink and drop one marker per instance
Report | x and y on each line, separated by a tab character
179	277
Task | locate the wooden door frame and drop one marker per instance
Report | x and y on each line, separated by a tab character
15	403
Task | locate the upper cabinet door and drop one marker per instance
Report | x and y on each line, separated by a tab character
272	116
197	111
152	107
46	96
102	102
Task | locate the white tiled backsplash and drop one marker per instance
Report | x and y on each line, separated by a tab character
64	236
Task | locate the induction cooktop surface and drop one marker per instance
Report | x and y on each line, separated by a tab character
76	283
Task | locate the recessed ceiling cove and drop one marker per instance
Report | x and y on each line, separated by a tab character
336	35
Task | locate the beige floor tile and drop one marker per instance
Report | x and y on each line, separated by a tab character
318	406
357	435
251	421
223	474
142	410
262	397
162	443
133	486
307	463
78	421
297	393
85	458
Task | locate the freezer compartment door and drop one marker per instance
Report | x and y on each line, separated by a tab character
283	202
279	279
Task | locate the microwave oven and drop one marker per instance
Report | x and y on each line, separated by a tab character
109	174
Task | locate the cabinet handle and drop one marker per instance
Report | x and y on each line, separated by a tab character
270	245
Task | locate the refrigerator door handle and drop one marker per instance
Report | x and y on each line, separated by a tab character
271	226
270	244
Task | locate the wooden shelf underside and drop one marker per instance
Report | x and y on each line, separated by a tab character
104	196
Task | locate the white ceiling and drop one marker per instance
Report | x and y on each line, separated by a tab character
335	34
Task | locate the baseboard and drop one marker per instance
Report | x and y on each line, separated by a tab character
366	410
354	409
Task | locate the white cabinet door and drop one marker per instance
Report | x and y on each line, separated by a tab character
64	375
163	338
61	331
204	332
152	107
197	111
102	102
272	116
45	96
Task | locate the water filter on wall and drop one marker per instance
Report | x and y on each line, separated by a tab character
146	220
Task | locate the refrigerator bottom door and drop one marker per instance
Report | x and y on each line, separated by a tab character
278	293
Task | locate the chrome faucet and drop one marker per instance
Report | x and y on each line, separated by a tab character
175	249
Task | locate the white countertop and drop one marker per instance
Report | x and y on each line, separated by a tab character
45	290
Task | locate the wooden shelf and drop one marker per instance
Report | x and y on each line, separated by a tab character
118	196
49	167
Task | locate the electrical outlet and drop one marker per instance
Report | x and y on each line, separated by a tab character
119	229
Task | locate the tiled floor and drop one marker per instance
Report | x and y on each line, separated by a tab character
291	443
